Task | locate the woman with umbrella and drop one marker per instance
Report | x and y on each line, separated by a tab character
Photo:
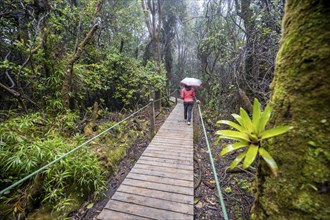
188	95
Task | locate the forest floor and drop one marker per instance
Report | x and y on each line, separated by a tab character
234	186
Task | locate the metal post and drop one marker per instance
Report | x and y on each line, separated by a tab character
152	118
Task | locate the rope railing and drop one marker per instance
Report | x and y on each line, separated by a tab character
68	153
223	207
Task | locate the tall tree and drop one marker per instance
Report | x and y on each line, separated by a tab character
67	82
153	13
301	99
250	70
173	11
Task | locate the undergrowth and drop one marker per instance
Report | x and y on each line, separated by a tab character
32	141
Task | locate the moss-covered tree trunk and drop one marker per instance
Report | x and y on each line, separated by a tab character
300	98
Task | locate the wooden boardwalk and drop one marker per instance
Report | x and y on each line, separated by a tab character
160	185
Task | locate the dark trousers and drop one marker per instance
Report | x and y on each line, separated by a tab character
187	110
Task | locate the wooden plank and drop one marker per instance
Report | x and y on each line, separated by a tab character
186	155
162	164
160	155
157	179
184	148
163	169
176	135
154	203
177	145
178	141
174	149
171	141
181	147
170	148
174	138
145	211
159	186
107	214
177	162
162	174
173	126
187	199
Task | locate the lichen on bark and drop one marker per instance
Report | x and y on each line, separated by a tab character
300	98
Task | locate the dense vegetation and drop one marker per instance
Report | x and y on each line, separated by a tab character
72	68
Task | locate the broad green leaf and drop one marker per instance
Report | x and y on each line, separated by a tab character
312	143
237	160
250	155
195	200
235	135
256	114
264	119
269	160
274	132
90	205
233	124
234	146
238	118
247	123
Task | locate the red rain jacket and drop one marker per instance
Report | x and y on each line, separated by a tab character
188	96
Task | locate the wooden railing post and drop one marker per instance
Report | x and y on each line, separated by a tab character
176	97
152	118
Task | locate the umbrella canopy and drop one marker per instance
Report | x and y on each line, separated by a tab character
191	82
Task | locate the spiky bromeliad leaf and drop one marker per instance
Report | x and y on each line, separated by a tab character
246	120
250	155
238	118
269	160
264	119
232	147
274	132
230	123
256	114
237	160
233	135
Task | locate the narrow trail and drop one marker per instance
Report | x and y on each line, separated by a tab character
160	185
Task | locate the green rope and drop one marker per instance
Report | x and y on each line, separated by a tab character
71	151
213	167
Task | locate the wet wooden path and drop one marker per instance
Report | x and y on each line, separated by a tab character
160	185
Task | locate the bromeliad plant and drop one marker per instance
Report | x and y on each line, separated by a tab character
249	135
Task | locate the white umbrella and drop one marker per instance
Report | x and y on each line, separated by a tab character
191	82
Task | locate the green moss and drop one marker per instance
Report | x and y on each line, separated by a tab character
316	167
309	202
300	98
